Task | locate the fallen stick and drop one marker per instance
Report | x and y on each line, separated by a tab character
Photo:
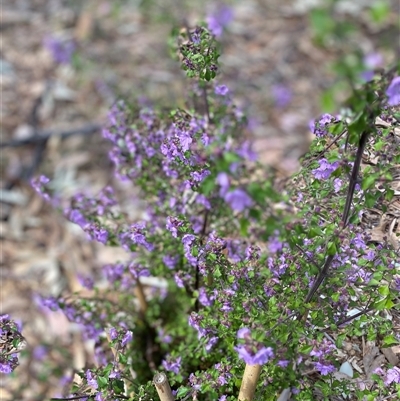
45	135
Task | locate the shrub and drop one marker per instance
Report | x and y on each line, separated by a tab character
250	271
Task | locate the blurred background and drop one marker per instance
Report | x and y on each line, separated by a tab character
64	63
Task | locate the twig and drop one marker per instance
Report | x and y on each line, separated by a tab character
77	397
353	181
45	135
354	175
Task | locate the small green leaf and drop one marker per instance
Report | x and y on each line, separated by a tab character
390	340
118	386
389	194
102	381
306	349
208	185
244	225
231	157
389	304
182	391
379	145
380	305
373	283
384	290
122	358
368	181
331	250
379	11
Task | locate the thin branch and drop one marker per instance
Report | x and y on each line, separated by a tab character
77	397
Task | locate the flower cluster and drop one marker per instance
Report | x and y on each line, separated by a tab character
320	126
252	352
320	353
198	50
12	342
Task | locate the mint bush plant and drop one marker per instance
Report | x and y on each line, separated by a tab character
257	274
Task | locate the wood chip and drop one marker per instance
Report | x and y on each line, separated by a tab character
392	358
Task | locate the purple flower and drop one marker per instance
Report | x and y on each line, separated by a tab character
172	225
50	303
244	332
127	338
397	283
202	200
113	333
275	245
246	152
194	321
39	185
61	50
113	272
172	365
5	367
76	217
178	280
221	90
210	343
319	128
165	338
204	299
283	363
371	61
4	318
99	234
393	92
40	352
325	169
370	255
86	281
115	374
337	184
99	397
392	375
170	261
199	176
223	181
219	19
139	238
187	240
282	95
261	357
358	242
196	36
205	139
324	368
185	140
91	380
238	200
